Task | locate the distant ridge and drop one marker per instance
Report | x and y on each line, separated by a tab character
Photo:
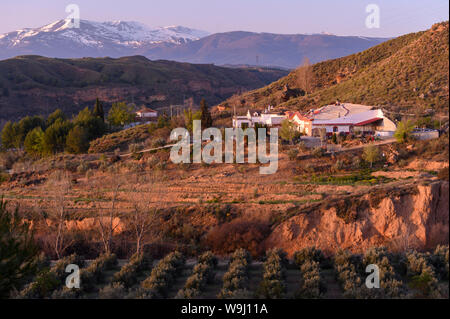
410	72
126	38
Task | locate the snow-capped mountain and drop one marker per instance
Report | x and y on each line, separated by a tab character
115	38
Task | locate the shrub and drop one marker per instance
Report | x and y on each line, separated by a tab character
128	274
202	274
235	280
292	154
346	274
163	275
422	274
94	273
238	234
310	254
311	285
272	285
115	290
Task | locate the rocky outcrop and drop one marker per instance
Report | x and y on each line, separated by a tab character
411	220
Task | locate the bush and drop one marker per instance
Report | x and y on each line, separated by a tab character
163	275
272	285
202	274
94	273
127	276
308	255
292	154
238	233
235	280
311	285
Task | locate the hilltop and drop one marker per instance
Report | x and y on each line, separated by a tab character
32	85
406	73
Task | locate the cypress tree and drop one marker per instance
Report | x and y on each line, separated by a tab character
206	115
98	110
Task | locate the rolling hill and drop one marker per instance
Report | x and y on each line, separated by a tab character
406	73
38	85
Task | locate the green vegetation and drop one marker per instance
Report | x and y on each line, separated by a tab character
404	130
371	154
18	252
272	285
121	114
202	274
235	280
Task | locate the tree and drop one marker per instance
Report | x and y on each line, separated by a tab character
59	186
9	135
371	154
34	142
142	217
121	114
77	141
55	136
287	131
206	115
404	130
26	125
18	252
163	121
94	126
189	117
106	218
52	118
98	110
305	76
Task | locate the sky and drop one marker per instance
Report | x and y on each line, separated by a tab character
340	17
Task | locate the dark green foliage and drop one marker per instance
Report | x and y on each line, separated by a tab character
57	114
202	274
163	275
77	140
55	136
18	253
98	110
121	114
34	142
206	115
93	125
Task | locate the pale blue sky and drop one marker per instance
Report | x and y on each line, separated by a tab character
341	17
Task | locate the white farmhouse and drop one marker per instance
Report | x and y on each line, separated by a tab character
250	120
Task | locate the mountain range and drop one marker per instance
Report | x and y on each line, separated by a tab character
125	38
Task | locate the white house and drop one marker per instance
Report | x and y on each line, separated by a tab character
146	113
343	118
249	120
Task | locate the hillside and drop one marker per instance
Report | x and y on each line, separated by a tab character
406	73
37	85
282	50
